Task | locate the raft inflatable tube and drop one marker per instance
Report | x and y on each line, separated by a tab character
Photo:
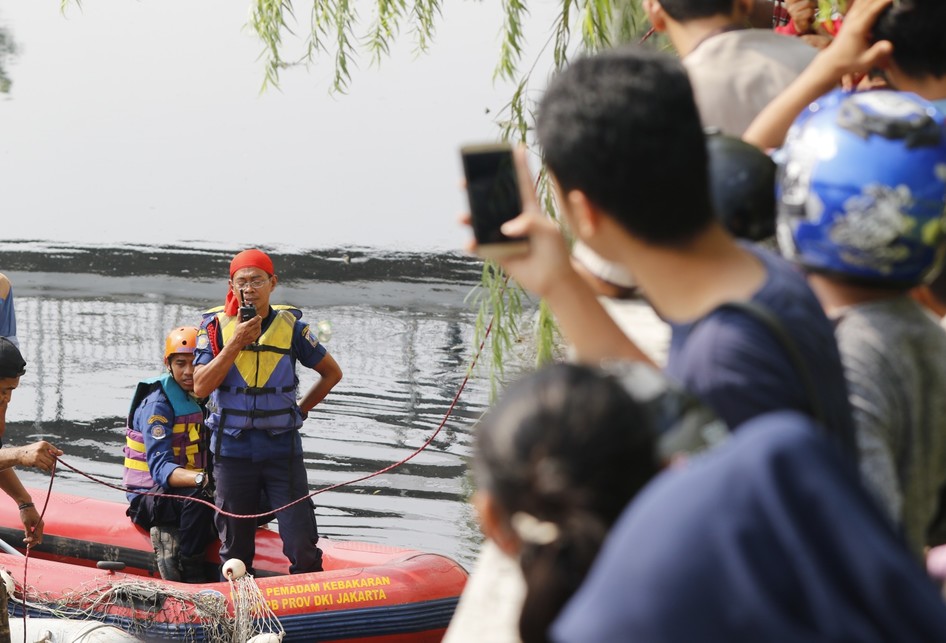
368	592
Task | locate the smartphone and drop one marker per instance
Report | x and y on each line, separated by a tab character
493	189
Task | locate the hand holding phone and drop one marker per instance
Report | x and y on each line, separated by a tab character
493	190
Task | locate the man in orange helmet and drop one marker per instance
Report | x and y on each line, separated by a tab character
166	455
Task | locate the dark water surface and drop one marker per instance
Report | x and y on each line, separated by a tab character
92	321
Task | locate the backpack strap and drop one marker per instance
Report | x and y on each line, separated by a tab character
768	319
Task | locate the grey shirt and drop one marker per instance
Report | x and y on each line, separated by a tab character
894	356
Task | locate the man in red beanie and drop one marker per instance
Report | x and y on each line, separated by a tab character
245	362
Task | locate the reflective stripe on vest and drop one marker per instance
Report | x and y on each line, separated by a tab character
185	433
259	390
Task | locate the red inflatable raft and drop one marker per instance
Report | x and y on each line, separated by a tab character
368	592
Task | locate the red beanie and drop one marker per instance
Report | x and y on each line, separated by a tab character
252	258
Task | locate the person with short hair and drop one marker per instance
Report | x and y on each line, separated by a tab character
914	29
619	132
166	456
41	455
735	71
247	368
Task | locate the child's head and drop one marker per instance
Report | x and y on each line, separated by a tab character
556	461
862	188
915	28
622	128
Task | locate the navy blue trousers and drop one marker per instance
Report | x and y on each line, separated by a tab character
194	520
239	483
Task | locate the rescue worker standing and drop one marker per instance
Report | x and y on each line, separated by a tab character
248	370
166	454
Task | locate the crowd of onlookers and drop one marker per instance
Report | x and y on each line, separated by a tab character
780	476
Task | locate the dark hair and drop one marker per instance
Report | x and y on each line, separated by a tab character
567	446
623	128
915	28
683	10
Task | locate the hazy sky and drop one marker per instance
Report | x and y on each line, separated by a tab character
142	122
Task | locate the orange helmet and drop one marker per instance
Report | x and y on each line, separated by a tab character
180	340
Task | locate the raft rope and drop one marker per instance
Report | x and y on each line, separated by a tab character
379	472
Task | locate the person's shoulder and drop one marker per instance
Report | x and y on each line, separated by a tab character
743	50
154	400
287	310
786	287
773	43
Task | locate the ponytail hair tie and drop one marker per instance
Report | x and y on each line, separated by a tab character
532	530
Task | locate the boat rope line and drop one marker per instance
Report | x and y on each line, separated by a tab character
379	472
26	558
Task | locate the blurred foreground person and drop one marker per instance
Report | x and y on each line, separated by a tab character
770	537
555	463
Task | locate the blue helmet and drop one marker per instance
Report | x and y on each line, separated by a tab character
862	187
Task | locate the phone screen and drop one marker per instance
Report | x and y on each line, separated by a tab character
493	191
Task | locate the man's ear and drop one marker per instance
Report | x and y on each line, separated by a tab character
655	14
494	523
585	215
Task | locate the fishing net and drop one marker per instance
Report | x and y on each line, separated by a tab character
149	609
253	619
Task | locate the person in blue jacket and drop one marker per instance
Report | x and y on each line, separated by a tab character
166	456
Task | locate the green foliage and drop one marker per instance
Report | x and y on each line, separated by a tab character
7	51
334	30
580	26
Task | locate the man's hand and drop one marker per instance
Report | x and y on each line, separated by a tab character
851	51
32	527
541	267
247	332
41	455
802	13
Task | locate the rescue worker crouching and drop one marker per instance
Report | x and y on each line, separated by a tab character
166	455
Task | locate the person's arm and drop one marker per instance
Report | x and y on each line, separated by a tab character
207	377
7	313
41	455
159	452
850	53
32	524
546	270
330	375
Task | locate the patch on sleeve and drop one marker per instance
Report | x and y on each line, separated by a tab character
158	431
157	418
310	337
202	340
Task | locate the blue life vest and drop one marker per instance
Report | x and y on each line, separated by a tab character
259	390
189	451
